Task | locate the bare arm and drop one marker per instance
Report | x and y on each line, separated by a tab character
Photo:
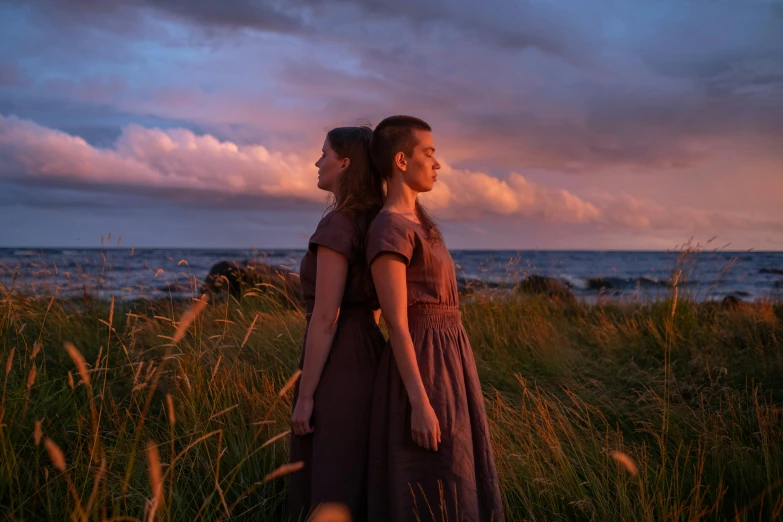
388	272
331	275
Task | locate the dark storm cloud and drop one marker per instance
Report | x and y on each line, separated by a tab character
126	16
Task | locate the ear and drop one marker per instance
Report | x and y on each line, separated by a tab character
344	163
400	162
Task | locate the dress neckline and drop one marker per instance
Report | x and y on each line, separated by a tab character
400	215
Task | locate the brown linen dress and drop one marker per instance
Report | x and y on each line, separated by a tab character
335	454
407	482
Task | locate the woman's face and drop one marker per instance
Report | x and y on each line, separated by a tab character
330	166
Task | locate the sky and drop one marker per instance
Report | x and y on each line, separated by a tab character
571	124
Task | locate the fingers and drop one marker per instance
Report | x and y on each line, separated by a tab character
301	428
421	439
427	440
433	439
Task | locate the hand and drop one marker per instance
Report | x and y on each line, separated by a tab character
425	427
300	420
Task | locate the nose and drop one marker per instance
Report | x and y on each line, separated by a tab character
437	165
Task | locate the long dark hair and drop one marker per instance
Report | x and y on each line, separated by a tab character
358	192
396	134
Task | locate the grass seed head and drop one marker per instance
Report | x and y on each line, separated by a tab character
290	384
31	377
56	454
331	512
78	360
283	470
10	362
626	461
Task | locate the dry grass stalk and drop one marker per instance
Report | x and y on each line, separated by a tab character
37	433
221	412
99	475
9	363
290	383
331	512
215	369
156	478
56	454
283	470
31	377
184	378
626	461
78	360
70	380
276	438
249	331
187	318
170	406
36	349
58	459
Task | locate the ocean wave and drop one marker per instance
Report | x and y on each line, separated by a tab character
574	281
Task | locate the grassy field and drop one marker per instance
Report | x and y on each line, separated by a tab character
662	411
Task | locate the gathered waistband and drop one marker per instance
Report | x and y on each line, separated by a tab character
429	316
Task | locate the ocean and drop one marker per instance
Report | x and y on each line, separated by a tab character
640	275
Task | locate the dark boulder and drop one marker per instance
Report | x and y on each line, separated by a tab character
468	286
550	287
731	302
238	277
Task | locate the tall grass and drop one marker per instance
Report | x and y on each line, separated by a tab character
668	410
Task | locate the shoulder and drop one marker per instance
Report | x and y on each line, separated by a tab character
334	231
389	222
391	232
336	219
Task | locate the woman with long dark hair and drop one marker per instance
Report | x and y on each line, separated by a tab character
333	398
430	451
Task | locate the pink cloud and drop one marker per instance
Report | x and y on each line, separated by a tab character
157	161
153	158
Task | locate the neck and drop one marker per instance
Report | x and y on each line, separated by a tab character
400	198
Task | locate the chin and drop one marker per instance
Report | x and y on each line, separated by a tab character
422	187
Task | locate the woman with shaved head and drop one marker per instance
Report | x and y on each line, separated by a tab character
430	451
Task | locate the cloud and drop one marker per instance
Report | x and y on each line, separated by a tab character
150	160
180	166
462	195
127	16
468	195
576	87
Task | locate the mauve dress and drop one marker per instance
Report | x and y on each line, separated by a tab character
335	454
459	482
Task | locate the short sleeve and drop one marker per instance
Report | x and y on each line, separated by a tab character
335	231
386	234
